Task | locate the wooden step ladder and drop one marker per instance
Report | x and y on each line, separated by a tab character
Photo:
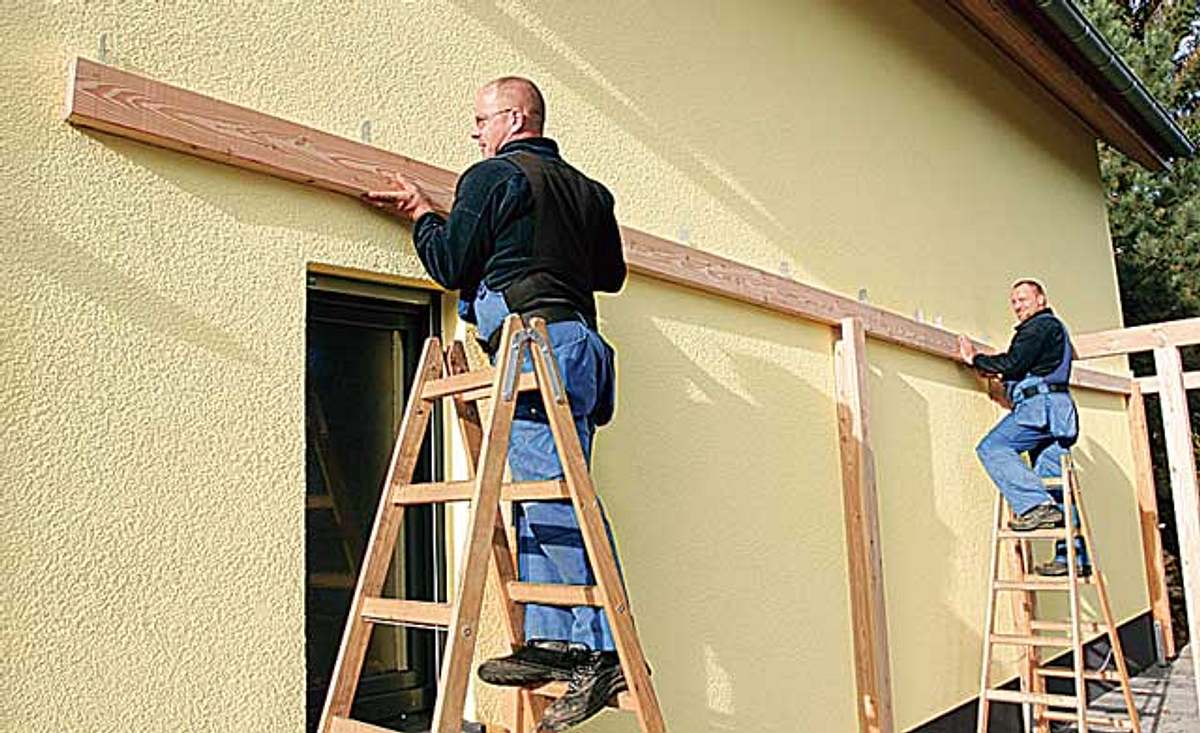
445	375
1070	636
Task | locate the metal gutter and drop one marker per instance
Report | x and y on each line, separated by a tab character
1063	15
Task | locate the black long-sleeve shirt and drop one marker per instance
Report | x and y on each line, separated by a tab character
1036	348
489	234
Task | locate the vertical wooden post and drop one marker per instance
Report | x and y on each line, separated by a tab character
1143	469
872	666
1181	457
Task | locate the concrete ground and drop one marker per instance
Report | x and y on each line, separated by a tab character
1165	696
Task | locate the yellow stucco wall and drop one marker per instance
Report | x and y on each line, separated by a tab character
153	322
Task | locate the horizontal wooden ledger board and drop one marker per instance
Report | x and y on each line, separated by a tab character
121	103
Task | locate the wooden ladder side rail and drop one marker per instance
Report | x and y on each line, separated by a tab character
357	635
527	706
485	508
1105	607
1024	614
1068	493
595	539
984	709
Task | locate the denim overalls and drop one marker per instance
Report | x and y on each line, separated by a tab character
549	545
1045	425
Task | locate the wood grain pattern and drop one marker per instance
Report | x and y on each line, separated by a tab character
1181	459
1147	499
1150	385
108	99
868	603
1183	332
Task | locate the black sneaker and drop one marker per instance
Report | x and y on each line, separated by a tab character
593	683
1058	569
536	663
1042	516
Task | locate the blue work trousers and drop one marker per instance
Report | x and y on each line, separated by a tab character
549	544
1044	427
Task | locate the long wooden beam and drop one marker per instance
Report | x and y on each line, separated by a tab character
1181	458
872	665
1184	332
1150	385
1147	499
119	102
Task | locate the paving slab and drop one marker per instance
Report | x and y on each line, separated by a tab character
1165	696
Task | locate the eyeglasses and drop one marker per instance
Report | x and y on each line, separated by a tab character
481	121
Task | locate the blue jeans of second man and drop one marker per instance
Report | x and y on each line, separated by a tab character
1044	427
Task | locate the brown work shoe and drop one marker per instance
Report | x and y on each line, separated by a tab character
536	663
593	683
1042	516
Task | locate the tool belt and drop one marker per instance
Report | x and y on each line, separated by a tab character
549	313
1037	389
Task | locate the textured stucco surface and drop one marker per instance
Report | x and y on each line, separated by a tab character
153	337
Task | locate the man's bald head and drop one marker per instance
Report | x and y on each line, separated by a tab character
519	93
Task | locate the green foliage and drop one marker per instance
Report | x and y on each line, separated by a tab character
1155	217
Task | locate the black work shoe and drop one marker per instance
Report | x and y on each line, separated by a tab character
536	663
1058	569
1042	516
594	680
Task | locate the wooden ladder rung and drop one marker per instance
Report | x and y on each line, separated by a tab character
1086	627
339	581
1034	698
1101	720
445	491
622	700
554	595
1017	640
1034	534
1034	582
469	382
1067	673
347	725
400	612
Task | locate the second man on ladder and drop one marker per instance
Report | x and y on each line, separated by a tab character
1036	370
530	234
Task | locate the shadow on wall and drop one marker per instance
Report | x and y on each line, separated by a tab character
721	477
72	266
935	565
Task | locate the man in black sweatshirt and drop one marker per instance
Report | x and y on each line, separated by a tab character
530	234
1044	424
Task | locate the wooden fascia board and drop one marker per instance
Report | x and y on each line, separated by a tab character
1022	44
111	100
1183	332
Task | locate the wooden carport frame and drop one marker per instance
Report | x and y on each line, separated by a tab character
110	100
1171	383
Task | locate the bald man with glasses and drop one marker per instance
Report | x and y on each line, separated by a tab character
530	234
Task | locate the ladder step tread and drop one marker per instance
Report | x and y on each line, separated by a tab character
1107	675
447	491
1102	720
1035	698
1087	627
469	382
622	700
1017	640
1036	534
1036	582
554	594
401	612
347	725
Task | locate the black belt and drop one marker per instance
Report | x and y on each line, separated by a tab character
1037	389
549	313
